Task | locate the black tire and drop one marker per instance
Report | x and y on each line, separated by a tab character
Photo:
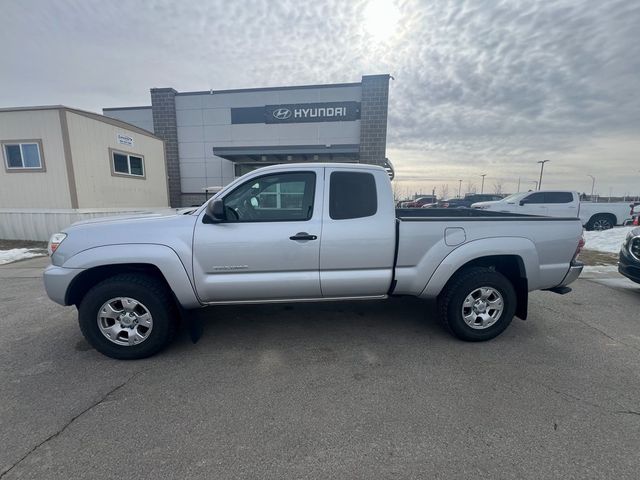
601	221
463	284
146	289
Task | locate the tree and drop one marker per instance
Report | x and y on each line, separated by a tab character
497	188
443	191
471	187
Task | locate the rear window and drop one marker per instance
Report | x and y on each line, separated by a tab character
352	195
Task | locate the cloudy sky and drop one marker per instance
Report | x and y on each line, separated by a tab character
480	86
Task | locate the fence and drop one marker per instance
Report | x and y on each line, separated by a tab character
39	224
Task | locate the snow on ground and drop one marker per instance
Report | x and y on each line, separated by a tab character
15	254
608	241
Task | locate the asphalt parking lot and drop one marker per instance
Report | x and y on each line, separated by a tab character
345	390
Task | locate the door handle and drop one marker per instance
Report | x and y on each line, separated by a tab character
303	236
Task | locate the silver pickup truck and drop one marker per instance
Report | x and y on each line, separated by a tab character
299	233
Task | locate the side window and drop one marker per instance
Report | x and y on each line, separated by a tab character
558	197
534	198
352	195
281	197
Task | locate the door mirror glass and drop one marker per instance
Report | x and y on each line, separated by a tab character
215	211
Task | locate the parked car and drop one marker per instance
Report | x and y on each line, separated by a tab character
559	203
420	202
469	200
304	232
629	259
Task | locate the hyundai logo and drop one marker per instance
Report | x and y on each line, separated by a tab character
282	113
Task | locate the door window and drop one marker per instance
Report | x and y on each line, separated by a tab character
352	195
280	197
534	198
558	197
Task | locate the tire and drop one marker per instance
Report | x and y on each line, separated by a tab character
468	284
143	335
601	221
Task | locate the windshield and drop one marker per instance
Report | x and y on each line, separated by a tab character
514	196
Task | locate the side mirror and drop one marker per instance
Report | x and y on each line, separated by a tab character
215	211
522	203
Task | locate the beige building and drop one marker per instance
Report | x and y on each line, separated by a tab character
56	157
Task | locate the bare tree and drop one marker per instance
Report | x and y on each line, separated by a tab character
443	191
497	188
471	187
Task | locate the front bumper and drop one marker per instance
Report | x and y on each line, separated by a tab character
57	281
572	275
629	266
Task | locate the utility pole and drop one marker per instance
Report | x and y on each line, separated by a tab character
541	162
482	187
459	188
593	184
518	185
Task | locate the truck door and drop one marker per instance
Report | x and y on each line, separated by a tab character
561	204
533	204
268	248
358	233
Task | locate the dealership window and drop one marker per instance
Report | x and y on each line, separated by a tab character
23	156
129	164
273	198
352	195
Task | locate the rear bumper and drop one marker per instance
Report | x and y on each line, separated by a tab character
572	275
57	281
629	267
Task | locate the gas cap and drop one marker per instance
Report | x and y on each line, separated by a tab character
454	236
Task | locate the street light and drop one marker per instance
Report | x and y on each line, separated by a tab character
482	187
459	188
541	162
593	184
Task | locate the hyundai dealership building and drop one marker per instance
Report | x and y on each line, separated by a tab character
214	136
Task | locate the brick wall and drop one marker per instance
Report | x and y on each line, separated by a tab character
373	119
163	104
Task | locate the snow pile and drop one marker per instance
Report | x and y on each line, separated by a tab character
15	254
608	241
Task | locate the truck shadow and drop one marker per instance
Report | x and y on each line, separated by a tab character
394	319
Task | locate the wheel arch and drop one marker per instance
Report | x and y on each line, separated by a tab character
158	261
519	267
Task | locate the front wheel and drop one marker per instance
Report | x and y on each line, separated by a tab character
128	316
478	304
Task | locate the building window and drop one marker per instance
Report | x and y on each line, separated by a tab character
129	164
23	155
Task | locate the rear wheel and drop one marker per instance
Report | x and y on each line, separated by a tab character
128	316
601	221
478	304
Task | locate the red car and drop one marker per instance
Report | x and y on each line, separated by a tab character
419	202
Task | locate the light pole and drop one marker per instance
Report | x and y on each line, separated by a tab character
536	183
482	187
593	184
541	162
459	188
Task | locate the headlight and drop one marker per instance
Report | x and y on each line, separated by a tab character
633	245
55	241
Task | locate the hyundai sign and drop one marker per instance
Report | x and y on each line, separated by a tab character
298	113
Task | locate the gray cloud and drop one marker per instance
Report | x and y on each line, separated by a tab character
479	84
